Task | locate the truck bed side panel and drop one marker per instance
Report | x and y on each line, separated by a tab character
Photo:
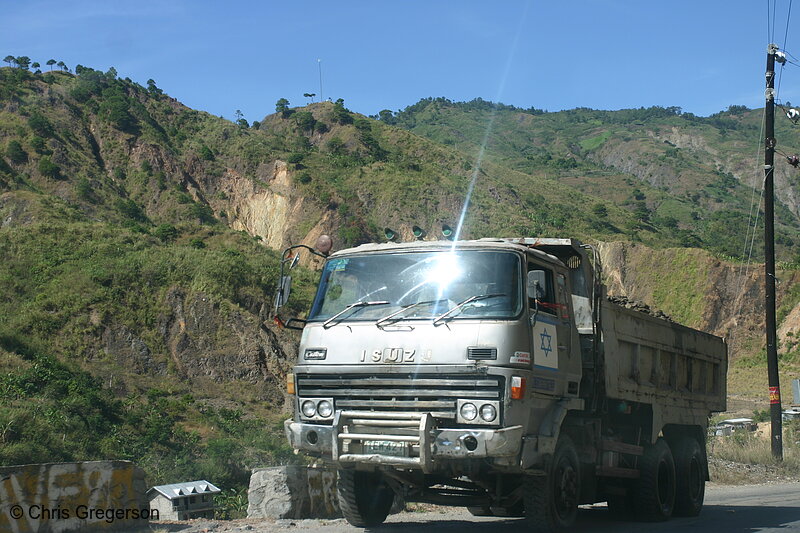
654	361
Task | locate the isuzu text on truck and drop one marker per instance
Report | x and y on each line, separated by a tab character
494	374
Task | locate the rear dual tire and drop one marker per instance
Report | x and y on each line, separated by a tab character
654	491
690	471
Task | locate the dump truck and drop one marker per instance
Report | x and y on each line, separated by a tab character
495	374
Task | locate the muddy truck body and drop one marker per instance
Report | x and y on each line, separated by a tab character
494	374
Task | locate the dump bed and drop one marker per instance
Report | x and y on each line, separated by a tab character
679	370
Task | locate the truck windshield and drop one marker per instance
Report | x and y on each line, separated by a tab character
421	285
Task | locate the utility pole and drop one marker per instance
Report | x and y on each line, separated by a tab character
769	253
319	63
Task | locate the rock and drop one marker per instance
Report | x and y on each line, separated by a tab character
293	491
641	307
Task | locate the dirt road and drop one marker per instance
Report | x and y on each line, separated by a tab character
728	509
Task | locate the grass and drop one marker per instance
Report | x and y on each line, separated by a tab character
746	457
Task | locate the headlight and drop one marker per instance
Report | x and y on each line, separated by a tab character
325	409
469	411
488	412
309	408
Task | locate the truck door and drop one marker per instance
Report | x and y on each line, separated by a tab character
550	330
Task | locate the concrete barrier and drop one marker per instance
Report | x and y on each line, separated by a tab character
83	496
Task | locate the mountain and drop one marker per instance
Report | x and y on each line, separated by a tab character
688	177
141	238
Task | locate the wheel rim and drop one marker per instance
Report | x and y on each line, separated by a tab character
566	489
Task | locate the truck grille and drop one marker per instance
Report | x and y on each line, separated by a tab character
428	393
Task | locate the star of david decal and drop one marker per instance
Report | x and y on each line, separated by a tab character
546	346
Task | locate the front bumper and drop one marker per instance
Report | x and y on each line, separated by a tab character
340	442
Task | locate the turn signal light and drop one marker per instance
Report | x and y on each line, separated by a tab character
290	383
517	388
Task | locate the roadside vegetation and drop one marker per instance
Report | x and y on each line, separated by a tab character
746	457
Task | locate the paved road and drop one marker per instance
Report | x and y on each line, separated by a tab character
728	509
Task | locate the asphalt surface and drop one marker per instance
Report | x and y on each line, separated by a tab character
770	507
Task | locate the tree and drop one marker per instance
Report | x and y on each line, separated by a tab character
385	115
305	120
117	110
35	64
282	107
336	146
641	212
310	95
240	120
111	74
11	60
50	63
340	113
153	89
23	62
62	65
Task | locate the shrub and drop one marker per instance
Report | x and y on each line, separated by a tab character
39	146
40	125
295	158
15	152
202	212
48	169
130	209
83	189
206	153
166	232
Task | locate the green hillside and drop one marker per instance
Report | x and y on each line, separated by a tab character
681	175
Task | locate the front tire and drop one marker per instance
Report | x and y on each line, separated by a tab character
690	470
551	501
364	498
655	491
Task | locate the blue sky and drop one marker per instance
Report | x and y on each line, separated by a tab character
223	56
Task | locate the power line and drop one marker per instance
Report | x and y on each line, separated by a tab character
786	33
774	11
783	49
769	30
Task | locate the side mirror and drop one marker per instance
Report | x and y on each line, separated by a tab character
282	294
537	286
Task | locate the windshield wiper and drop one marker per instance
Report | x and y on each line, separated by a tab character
387	318
354	305
459	305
